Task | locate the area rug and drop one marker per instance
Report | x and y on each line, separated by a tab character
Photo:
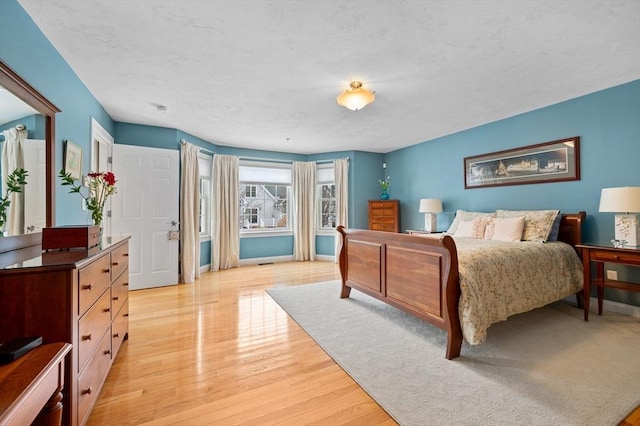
544	367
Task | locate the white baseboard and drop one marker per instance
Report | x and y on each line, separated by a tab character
609	305
271	259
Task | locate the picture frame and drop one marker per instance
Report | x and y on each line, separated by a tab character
73	160
554	161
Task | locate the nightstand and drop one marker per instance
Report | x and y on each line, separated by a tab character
599	254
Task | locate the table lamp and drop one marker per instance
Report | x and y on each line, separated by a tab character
430	206
623	200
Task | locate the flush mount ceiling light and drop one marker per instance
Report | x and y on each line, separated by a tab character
356	97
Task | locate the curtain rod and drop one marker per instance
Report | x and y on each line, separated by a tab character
267	160
184	142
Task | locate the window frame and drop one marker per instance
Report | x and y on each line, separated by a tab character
257	182
204	170
322	179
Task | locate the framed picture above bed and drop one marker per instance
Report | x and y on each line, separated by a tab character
554	161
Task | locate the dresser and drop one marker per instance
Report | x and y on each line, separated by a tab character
384	215
74	296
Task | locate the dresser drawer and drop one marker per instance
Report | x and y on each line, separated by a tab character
119	260
119	328
93	280
119	293
92	326
383	212
614	256
92	378
383	227
382	220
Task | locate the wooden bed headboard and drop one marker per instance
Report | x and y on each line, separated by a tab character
571	228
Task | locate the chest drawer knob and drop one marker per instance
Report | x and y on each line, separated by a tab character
126	254
86	337
616	257
87	391
115	298
106	310
125	284
87	286
106	352
106	271
116	335
115	264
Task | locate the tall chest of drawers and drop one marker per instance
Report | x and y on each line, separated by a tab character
75	296
384	215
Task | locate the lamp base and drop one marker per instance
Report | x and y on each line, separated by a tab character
628	229
430	222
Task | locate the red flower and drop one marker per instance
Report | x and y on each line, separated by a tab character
109	178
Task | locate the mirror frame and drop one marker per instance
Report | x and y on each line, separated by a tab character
11	81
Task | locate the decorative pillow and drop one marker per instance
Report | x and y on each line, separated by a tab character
555	229
504	228
471	228
537	223
464	215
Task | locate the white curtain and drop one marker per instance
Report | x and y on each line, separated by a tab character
304	210
12	159
341	179
189	213
225	247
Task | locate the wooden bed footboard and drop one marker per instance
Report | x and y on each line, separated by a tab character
415	274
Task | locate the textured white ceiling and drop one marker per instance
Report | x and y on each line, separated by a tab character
264	74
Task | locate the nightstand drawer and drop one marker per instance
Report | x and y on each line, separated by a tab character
618	256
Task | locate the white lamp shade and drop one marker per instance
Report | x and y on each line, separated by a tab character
430	205
620	200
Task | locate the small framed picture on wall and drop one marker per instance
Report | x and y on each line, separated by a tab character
73	160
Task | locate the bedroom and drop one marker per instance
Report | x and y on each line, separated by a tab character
606	120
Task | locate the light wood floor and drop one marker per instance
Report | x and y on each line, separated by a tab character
222	352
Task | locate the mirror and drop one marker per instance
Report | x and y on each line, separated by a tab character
44	114
20	122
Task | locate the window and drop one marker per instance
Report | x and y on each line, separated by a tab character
264	191
326	197
204	164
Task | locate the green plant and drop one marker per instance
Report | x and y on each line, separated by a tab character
101	185
384	184
15	181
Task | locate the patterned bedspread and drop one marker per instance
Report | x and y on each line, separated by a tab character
500	279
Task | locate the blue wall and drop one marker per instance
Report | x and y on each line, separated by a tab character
608	124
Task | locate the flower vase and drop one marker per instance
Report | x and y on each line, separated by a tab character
385	195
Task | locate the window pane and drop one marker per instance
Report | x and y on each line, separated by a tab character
264	206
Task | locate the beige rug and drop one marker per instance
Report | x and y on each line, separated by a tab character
545	367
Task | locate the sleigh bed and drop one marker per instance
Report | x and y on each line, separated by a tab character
455	283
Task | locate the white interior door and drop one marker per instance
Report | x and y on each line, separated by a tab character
144	207
35	161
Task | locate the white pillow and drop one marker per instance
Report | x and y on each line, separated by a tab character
537	223
471	228
504	228
465	215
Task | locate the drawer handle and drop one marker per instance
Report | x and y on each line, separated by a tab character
86	337
126	315
106	310
616	257
87	391
125	284
125	254
87	286
115	297
115	264
106	352
116	335
106	271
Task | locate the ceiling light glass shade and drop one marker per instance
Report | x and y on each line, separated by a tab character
356	97
430	205
620	200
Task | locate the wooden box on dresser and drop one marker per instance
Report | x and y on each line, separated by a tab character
384	215
74	296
